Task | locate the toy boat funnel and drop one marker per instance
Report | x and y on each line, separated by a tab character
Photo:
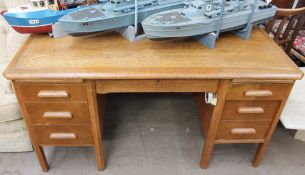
2	12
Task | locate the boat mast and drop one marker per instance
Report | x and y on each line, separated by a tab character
136	16
220	17
53	4
115	2
238	4
92	1
254	6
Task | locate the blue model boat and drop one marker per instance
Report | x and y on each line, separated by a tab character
201	17
114	14
39	15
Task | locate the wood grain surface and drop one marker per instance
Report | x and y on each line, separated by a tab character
243	129
110	56
113	86
63	135
58	113
250	110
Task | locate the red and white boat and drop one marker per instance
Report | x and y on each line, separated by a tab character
39	15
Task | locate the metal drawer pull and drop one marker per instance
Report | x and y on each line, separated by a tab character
243	131
258	93
59	136
251	110
57	115
53	94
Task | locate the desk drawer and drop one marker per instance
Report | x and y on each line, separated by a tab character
243	130
258	91
65	135
250	110
52	92
106	86
58	113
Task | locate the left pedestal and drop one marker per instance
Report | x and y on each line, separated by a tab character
61	113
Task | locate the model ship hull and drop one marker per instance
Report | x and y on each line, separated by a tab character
202	26
33	30
74	25
31	20
40	21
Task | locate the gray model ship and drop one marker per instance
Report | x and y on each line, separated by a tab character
202	17
112	15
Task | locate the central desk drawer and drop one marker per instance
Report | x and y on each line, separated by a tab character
258	91
55	135
243	129
52	92
58	113
108	86
250	109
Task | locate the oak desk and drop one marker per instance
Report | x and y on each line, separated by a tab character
57	82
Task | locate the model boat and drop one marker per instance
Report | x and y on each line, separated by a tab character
113	15
201	17
39	15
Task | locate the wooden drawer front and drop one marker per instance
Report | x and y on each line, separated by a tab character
242	130
107	86
58	113
65	135
250	110
258	91
54	92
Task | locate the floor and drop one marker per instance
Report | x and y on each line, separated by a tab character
159	134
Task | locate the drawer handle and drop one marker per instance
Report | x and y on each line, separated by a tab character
57	115
258	93
243	131
58	136
52	94
251	110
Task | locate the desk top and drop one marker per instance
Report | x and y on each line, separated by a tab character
110	56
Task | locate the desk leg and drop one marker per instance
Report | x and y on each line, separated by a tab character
263	146
212	127
96	109
41	157
38	149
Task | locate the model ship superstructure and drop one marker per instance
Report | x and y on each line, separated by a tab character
208	17
113	15
38	16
